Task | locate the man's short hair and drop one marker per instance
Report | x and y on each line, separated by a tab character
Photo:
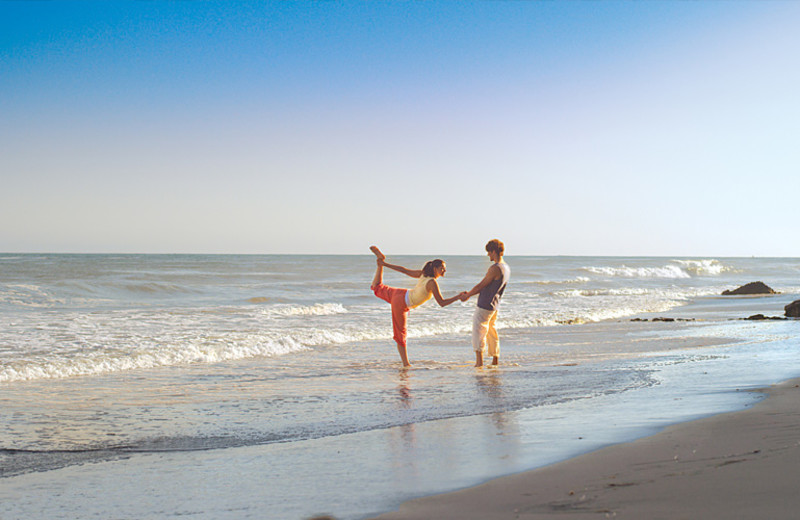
496	246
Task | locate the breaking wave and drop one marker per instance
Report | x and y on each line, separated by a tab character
667	271
319	309
709	267
679	269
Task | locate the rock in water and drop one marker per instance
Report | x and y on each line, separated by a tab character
750	288
793	309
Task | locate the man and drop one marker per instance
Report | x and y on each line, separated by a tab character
490	291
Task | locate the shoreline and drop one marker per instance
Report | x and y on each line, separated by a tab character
740	464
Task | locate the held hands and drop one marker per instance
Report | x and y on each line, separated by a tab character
463	296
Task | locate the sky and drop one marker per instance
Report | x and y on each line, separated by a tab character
650	128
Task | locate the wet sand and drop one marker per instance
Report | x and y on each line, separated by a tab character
744	464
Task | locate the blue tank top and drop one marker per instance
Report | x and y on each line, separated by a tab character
489	297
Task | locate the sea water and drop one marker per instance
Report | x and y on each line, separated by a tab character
147	386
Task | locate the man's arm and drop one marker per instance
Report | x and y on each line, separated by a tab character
493	273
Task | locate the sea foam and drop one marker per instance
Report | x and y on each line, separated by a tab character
667	271
710	267
318	309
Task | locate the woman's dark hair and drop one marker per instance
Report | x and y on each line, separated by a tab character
428	270
496	246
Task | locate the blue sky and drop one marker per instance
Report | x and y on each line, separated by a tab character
563	128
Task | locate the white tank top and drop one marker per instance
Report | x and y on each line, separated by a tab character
420	293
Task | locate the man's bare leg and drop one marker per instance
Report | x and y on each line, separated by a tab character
495	360
478	358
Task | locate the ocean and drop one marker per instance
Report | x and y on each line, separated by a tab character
246	386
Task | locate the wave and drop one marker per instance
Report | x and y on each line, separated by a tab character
681	269
681	294
318	309
35	297
101	345
156	288
573	293
704	267
580	279
89	344
580	316
667	271
103	362
81	293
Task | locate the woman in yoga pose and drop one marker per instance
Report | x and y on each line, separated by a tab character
402	300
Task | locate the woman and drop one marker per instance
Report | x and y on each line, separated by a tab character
402	300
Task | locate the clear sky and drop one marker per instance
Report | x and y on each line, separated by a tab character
562	128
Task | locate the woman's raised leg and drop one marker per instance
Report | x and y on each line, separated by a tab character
377	252
378	278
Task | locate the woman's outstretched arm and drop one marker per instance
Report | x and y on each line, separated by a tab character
413	273
433	286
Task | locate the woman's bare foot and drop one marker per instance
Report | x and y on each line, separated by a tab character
377	252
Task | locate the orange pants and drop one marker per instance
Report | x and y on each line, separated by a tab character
397	298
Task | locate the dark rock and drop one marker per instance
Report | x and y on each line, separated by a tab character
758	317
663	319
793	309
750	288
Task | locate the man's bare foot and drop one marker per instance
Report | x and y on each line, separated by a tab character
495	360
377	252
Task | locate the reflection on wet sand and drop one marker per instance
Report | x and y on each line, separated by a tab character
489	383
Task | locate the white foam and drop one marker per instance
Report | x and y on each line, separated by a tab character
575	293
43	344
586	315
665	293
667	271
579	279
83	344
709	267
318	309
147	355
26	295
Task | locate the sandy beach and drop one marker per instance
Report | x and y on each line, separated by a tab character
737	465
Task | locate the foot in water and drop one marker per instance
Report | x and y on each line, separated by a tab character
377	252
